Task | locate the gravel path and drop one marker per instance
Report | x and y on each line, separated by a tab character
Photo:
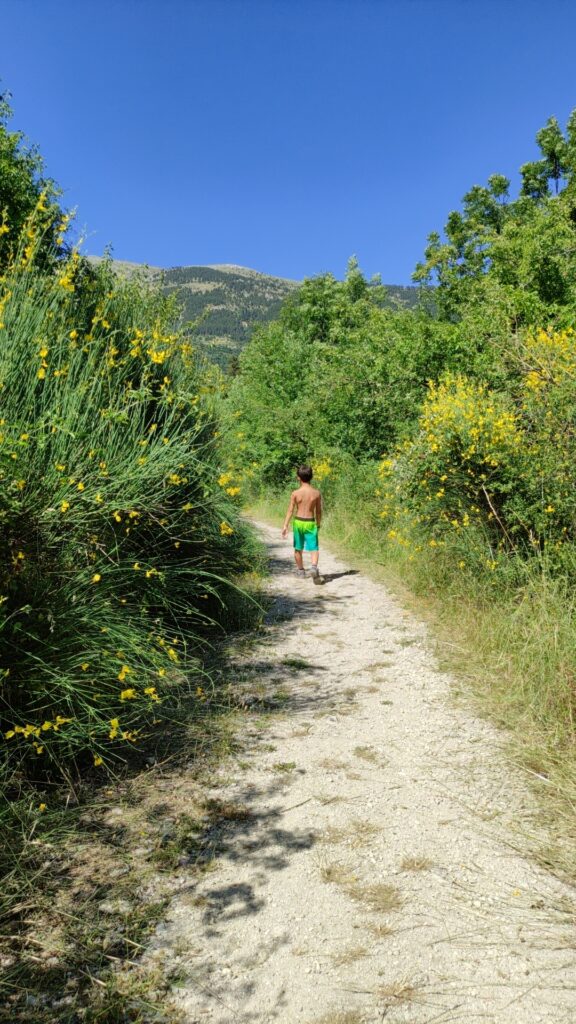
369	869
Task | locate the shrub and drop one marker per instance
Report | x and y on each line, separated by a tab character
118	545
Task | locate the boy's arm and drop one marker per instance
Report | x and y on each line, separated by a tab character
318	510
288	514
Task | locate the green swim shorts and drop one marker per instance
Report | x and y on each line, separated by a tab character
305	535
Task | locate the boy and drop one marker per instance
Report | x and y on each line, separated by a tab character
306	507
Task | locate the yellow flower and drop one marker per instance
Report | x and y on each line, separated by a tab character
42	807
150	691
98	499
225	529
96	577
64	506
85	666
128	694
157	356
73	334
124	671
41	373
115	725
80	486
550	508
97	760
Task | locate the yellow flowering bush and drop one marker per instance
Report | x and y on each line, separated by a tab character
116	538
485	461
462	462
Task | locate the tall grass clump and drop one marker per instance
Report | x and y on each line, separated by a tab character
118	545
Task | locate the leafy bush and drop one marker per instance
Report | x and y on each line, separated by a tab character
118	544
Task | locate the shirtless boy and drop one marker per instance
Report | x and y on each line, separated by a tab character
306	507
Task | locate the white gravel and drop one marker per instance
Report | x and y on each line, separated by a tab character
369	764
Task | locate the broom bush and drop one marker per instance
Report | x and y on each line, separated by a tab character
118	543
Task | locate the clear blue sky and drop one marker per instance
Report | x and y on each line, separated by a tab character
283	135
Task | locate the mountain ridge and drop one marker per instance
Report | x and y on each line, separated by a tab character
226	301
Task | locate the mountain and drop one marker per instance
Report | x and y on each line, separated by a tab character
226	302
229	301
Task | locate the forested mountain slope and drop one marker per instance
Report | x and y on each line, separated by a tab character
229	301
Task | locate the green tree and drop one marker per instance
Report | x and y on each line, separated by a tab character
22	184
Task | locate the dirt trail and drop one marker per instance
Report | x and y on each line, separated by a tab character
369	869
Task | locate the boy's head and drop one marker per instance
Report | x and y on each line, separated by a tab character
304	473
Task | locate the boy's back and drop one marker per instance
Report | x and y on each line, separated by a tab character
307	502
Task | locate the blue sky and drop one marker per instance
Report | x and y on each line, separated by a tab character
280	134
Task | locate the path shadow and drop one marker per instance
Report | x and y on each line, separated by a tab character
329	577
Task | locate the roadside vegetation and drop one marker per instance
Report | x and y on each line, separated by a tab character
124	558
444	439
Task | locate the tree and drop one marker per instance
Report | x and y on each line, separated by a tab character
24	189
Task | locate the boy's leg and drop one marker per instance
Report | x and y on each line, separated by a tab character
298	559
314	555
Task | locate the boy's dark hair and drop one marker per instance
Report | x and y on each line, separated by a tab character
305	474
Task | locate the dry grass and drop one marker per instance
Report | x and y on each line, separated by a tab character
332	764
367	754
329	798
397	992
357	831
416	862
338	874
349	956
340	1017
378	930
227	810
302	730
378	897
343	710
